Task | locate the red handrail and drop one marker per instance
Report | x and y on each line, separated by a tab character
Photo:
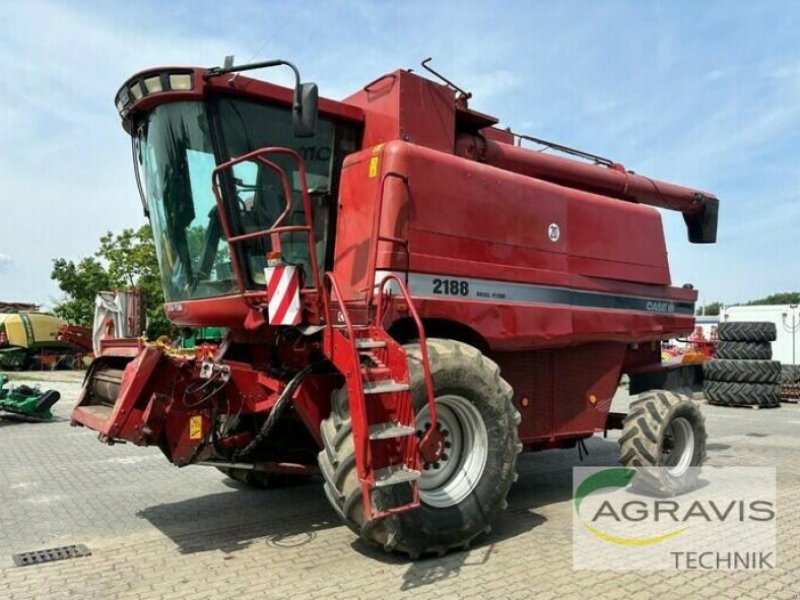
275	229
329	277
361	417
376	227
423	343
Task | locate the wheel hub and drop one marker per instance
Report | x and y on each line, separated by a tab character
432	443
677	446
456	453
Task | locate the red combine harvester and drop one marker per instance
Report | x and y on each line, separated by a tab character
411	299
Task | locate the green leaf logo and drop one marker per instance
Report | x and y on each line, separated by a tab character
614	478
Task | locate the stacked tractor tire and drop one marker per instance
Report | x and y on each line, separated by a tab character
743	372
790	383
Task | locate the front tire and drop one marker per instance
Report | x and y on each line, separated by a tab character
460	495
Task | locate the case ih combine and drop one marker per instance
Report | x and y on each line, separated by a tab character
411	299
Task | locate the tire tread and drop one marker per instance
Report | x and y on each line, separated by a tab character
342	486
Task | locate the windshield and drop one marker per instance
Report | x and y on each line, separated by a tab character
175	162
176	155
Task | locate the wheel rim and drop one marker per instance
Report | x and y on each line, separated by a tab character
463	460
677	447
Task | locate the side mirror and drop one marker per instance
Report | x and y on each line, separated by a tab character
305	109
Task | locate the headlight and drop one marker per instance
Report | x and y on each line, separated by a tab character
153	85
136	90
180	82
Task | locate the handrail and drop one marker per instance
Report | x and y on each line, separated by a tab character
391	76
287	189
376	226
272	231
329	277
276	228
423	343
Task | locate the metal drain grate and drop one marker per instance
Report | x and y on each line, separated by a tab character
23	559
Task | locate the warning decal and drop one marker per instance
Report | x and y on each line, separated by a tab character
196	427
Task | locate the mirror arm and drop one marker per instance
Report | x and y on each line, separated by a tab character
296	101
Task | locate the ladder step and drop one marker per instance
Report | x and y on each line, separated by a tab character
384	387
388	430
394	475
375	373
367	343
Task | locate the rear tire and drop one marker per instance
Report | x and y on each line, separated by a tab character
743	350
757	331
664	429
742	371
458	371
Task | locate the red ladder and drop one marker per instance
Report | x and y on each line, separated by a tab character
387	450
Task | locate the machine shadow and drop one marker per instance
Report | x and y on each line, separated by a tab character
232	521
544	478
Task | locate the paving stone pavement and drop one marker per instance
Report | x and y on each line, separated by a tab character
159	532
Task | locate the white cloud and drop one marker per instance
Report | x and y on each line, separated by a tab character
5	261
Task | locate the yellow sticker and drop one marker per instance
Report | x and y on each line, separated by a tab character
196	428
373	166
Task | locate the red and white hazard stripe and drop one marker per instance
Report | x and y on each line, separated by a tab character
283	295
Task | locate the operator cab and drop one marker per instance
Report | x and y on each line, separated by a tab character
181	134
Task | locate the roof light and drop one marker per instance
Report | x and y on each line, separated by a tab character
136	90
180	82
153	85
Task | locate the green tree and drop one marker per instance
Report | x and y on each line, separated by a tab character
780	298
711	309
80	282
125	260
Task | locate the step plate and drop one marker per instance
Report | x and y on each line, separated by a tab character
384	387
367	343
394	475
389	430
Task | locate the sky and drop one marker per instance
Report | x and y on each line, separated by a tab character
704	94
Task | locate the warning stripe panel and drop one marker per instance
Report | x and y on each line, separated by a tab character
285	307
283	295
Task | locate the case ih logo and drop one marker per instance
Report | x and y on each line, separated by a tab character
661	307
